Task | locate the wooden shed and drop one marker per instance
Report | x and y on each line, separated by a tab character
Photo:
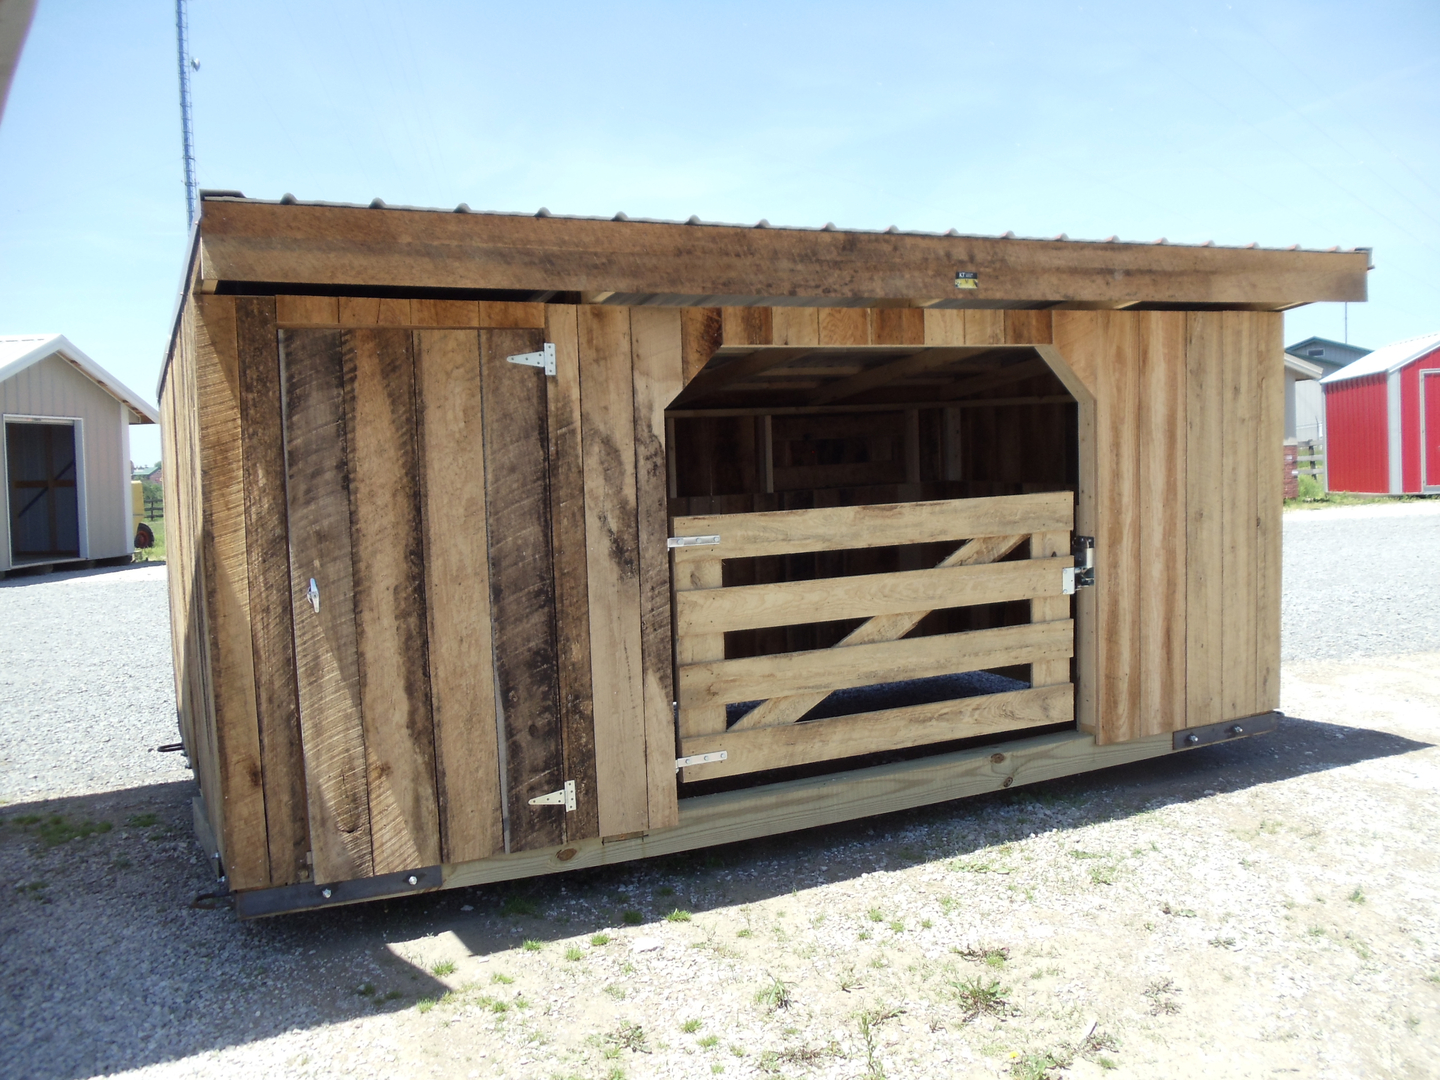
506	544
65	456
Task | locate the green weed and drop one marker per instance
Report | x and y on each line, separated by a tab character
678	915
691	1026
501	978
443	967
774	996
980	997
632	918
519	905
574	952
599	939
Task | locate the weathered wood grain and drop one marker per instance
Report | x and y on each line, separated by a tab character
327	663
701	334
844	326
451	469
272	632
1044	609
1204	516
657	363
1269	505
799	326
613	564
747	326
227	593
522	585
572	600
1239	392
389	577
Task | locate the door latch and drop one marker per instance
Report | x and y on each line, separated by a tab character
313	595
1082	574
564	797
544	359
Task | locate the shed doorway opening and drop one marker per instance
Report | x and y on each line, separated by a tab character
869	554
43	490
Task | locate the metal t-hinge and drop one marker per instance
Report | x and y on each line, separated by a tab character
545	358
1082	574
564	797
700	759
691	541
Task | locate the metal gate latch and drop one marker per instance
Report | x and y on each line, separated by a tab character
564	797
700	759
1082	574
691	541
313	595
545	358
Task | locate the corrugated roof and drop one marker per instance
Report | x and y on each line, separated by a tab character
1388	359
20	351
694	219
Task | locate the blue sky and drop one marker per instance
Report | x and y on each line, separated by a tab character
1283	123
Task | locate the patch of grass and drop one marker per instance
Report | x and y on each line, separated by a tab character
897	926
705	1042
519	905
366	989
747	932
120	862
807	1057
1161	994
531	945
946	903
1038	1066
864	935
632	918
848	980
501	978
495	1005
599	939
616	991
976	866
980	997
989	955
1223	942
630	1036
393	995
869	1021
736	1049
875	915
665	890
926	924
57	829
1180	913
774	996
678	915
1358	896
1078	854
424	1005
443	967
574	952
691	1026
1103	875
1106	1063
141	821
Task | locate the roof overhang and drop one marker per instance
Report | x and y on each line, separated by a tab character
141	411
248	246
1303	370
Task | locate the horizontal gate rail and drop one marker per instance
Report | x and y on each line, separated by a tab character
788	685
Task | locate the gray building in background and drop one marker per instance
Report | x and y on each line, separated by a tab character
1306	363
65	453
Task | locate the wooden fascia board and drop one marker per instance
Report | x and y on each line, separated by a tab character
687	264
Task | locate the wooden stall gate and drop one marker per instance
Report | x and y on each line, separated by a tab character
788	685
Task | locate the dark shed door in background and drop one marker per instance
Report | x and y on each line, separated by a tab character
417	486
44	504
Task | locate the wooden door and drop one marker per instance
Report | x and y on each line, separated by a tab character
755	710
44	505
423	595
1430	431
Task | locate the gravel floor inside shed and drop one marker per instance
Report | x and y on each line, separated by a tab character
1261	908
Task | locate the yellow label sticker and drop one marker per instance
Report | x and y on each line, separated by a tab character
966	279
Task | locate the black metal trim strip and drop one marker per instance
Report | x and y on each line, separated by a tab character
257	903
1259	724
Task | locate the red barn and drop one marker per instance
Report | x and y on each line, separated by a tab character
1382	420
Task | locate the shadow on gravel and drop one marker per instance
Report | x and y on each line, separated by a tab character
106	966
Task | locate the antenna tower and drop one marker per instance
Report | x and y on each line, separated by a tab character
187	129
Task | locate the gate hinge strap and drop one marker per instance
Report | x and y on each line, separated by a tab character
700	759
564	797
545	358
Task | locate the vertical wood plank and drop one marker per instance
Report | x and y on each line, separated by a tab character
899	326
1238	479
701	333
390	620
451	468
1161	510
1118	527
522	586
796	326
227	593
1049	608
272	633
1269	504
572	601
1028	328
611	542
843	326
307	310
747	325
1204	435
984	327
657	364
327	665
944	326
696	569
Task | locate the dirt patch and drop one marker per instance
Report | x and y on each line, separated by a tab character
1263	908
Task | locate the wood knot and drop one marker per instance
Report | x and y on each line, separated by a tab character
566	854
996	759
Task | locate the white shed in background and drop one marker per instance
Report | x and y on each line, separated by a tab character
65	454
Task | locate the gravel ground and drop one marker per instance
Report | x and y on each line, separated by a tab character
1254	909
1361	581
